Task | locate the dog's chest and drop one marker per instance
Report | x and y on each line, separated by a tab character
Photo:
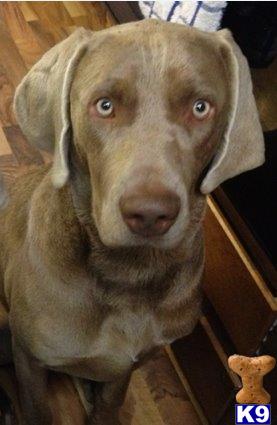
132	332
120	341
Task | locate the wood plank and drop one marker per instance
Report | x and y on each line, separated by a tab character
27	12
51	13
4	146
260	258
11	62
96	17
167	391
23	152
233	291
124	11
74	8
104	15
186	385
47	35
64	401
27	45
71	29
218	348
205	373
145	409
267	294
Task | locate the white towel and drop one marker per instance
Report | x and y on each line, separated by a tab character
205	15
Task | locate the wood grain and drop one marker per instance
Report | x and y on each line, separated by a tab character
210	382
23	152
27	45
231	286
4	145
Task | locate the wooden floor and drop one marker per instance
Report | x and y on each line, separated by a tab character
27	30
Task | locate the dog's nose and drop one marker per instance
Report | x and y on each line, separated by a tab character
150	213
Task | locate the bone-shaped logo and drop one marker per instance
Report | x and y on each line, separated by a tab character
252	370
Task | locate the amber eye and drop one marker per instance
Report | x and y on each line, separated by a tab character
104	107
201	109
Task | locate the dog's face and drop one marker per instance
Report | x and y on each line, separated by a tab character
147	118
149	104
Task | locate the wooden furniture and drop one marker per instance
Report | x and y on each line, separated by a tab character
239	312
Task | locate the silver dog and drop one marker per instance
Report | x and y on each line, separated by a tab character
101	254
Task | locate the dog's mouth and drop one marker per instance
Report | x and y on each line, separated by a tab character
149	238
145	239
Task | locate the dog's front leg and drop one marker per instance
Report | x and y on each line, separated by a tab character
32	380
108	398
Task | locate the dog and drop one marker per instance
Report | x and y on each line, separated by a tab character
101	253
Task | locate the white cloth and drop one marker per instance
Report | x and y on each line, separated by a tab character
205	15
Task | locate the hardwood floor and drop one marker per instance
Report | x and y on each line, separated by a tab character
27	30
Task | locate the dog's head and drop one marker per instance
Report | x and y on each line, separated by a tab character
159	115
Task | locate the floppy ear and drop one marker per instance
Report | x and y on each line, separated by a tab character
242	147
42	103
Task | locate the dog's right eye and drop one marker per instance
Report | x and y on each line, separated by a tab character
104	107
201	109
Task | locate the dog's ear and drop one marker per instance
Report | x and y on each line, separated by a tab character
42	101
242	147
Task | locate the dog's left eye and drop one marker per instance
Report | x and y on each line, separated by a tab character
201	109
104	107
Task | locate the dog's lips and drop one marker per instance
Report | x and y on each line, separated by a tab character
156	241
148	234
